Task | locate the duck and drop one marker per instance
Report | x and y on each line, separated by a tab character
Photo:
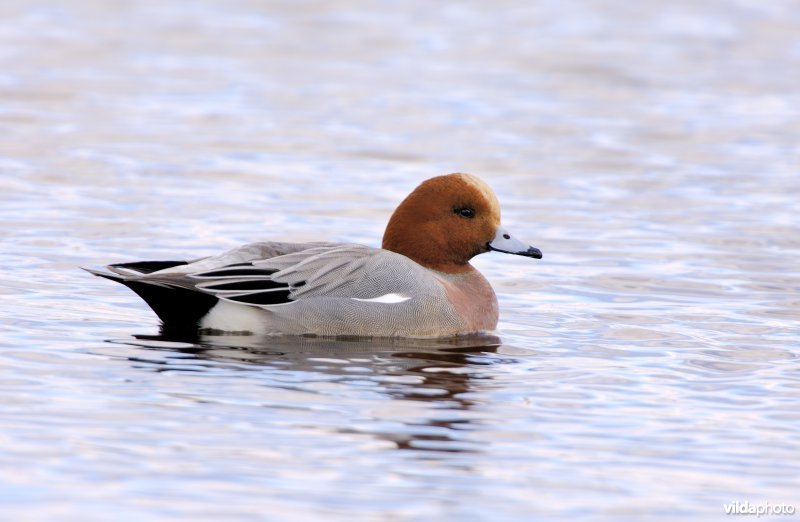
419	284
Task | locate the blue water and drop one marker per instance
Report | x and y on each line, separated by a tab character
646	368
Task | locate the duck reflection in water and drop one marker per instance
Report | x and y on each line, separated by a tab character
438	373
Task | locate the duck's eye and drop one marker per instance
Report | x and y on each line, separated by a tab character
465	212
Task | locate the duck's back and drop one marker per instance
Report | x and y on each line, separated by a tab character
291	288
343	290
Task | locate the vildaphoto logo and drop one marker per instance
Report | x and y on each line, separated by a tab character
764	508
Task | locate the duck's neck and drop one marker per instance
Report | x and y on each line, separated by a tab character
425	245
431	259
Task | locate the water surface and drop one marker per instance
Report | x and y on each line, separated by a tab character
646	368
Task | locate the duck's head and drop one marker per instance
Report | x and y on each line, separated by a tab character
448	220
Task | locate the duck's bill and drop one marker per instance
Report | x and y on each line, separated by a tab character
508	244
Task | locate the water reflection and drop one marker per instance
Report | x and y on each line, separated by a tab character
437	375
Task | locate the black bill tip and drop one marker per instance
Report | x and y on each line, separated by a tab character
532	252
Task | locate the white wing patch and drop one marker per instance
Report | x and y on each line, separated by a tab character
386	299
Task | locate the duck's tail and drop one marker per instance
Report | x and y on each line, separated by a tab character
178	308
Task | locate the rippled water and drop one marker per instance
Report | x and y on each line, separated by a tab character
646	368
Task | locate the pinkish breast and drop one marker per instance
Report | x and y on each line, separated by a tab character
473	298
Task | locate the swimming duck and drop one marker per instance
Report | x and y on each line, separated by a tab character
420	283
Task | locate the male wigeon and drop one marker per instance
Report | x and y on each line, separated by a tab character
419	284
